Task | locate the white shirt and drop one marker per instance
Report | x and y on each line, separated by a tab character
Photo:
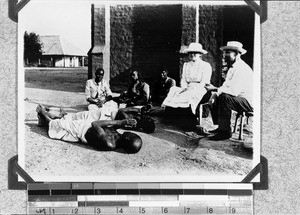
198	72
239	81
92	88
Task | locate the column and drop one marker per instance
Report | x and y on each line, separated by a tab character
96	53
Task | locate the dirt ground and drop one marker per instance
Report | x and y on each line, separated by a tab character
170	151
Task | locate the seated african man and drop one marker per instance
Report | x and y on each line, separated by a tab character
161	87
98	93
88	128
137	94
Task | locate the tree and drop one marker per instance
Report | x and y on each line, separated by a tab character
32	47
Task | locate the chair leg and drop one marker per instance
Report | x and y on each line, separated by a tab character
241	127
235	124
200	114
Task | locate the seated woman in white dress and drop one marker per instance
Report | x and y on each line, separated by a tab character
196	73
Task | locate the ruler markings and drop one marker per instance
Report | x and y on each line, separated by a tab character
106	198
141	210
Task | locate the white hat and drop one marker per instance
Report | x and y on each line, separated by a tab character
234	45
183	49
196	47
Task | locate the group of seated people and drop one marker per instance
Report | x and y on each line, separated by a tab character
106	113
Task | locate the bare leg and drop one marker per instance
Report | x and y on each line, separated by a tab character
43	115
52	114
55	113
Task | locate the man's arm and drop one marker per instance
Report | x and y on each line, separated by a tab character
130	110
210	87
114	123
237	83
183	83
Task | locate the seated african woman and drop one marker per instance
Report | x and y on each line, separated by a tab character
88	128
196	73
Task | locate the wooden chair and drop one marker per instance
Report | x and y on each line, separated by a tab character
242	115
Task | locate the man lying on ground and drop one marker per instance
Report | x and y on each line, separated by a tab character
86	127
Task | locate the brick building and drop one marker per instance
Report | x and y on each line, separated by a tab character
148	36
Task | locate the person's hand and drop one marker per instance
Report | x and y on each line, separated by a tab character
131	122
213	98
108	98
93	101
100	103
182	91
210	87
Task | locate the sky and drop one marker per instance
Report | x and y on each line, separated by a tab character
71	19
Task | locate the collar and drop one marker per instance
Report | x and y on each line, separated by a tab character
94	80
237	62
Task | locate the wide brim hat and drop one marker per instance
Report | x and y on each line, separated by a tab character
234	45
196	48
183	49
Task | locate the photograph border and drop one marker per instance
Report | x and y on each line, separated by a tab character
260	11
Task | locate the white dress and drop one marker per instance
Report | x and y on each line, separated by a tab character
194	76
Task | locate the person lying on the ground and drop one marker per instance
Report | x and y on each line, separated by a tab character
137	94
82	127
144	122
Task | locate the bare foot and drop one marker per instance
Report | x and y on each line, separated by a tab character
62	112
40	115
39	108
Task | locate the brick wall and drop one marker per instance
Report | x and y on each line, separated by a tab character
188	24
148	36
121	45
210	36
144	37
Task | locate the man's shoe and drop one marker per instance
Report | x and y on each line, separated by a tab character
220	136
215	131
201	131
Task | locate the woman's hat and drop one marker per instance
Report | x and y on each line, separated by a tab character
196	47
234	45
183	49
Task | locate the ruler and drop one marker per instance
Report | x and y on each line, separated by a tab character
136	199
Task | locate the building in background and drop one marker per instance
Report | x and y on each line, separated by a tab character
57	52
148	36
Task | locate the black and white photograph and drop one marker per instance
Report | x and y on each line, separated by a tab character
138	91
